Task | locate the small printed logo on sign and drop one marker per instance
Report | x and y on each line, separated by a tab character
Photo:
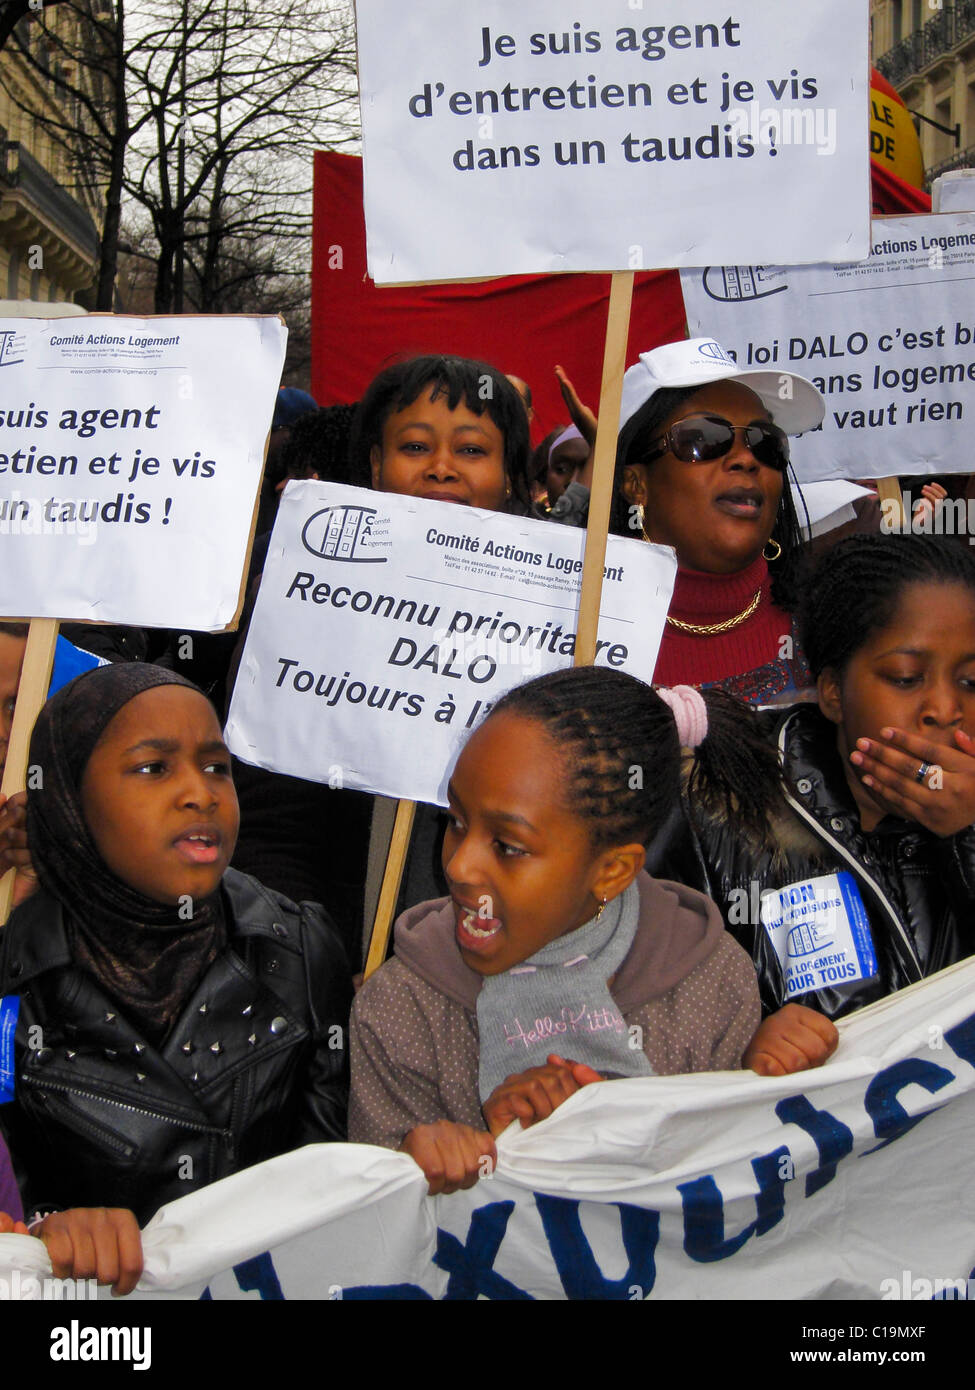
12	346
733	284
820	932
342	533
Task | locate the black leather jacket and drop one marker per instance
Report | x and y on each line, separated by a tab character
256	1065
918	889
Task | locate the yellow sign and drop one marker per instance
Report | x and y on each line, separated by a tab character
893	139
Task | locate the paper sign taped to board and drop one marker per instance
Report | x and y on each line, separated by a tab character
538	139
890	343
387	626
131	452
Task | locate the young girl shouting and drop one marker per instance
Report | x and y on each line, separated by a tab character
556	961
177	1021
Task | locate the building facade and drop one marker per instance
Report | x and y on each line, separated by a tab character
50	204
926	51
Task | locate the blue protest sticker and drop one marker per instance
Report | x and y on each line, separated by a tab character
9	1009
820	932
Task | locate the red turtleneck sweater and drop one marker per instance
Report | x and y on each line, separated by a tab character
695	659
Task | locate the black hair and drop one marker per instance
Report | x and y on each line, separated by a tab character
856	587
618	741
15	629
319	443
538	466
633	447
479	385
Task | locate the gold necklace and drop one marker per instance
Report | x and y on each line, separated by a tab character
709	629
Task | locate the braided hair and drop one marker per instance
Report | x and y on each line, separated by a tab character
857	586
633	447
458	379
618	742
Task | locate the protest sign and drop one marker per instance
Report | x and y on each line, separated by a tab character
847	1182
131	458
889	343
537	140
386	627
822	507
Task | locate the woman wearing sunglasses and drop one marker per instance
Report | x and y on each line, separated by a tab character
702	466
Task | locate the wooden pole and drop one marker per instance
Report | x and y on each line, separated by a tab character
889	490
35	677
389	892
604	464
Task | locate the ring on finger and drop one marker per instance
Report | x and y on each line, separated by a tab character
922	772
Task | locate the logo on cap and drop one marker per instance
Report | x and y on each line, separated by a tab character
715	351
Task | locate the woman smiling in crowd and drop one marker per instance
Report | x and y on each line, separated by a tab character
448	429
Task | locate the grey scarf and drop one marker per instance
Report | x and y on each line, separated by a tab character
559	1001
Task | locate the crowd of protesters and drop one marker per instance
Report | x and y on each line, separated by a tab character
181	953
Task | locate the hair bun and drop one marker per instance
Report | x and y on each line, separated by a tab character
690	713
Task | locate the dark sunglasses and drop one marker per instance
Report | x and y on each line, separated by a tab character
701	438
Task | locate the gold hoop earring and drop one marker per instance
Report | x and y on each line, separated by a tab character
770	559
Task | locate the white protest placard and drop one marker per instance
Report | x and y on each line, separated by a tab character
536	138
890	343
131	453
851	1181
821	507
386	626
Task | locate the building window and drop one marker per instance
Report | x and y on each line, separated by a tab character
896	21
35	285
13	275
916	16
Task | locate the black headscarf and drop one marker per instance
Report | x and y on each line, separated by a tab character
145	954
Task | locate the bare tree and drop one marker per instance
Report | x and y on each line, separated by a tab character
205	114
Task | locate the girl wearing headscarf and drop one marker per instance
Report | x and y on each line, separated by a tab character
177	1020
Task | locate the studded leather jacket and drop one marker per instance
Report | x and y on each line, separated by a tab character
918	889
256	1064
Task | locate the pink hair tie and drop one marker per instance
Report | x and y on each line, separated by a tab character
690	714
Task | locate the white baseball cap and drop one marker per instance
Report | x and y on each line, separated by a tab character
794	403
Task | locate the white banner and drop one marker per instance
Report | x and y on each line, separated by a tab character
131	453
849	1182
891	344
367	662
536	138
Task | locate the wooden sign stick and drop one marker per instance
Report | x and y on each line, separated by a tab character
889	490
35	677
389	892
604	464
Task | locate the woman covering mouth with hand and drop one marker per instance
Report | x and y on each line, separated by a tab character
702	466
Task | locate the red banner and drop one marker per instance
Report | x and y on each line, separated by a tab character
522	324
